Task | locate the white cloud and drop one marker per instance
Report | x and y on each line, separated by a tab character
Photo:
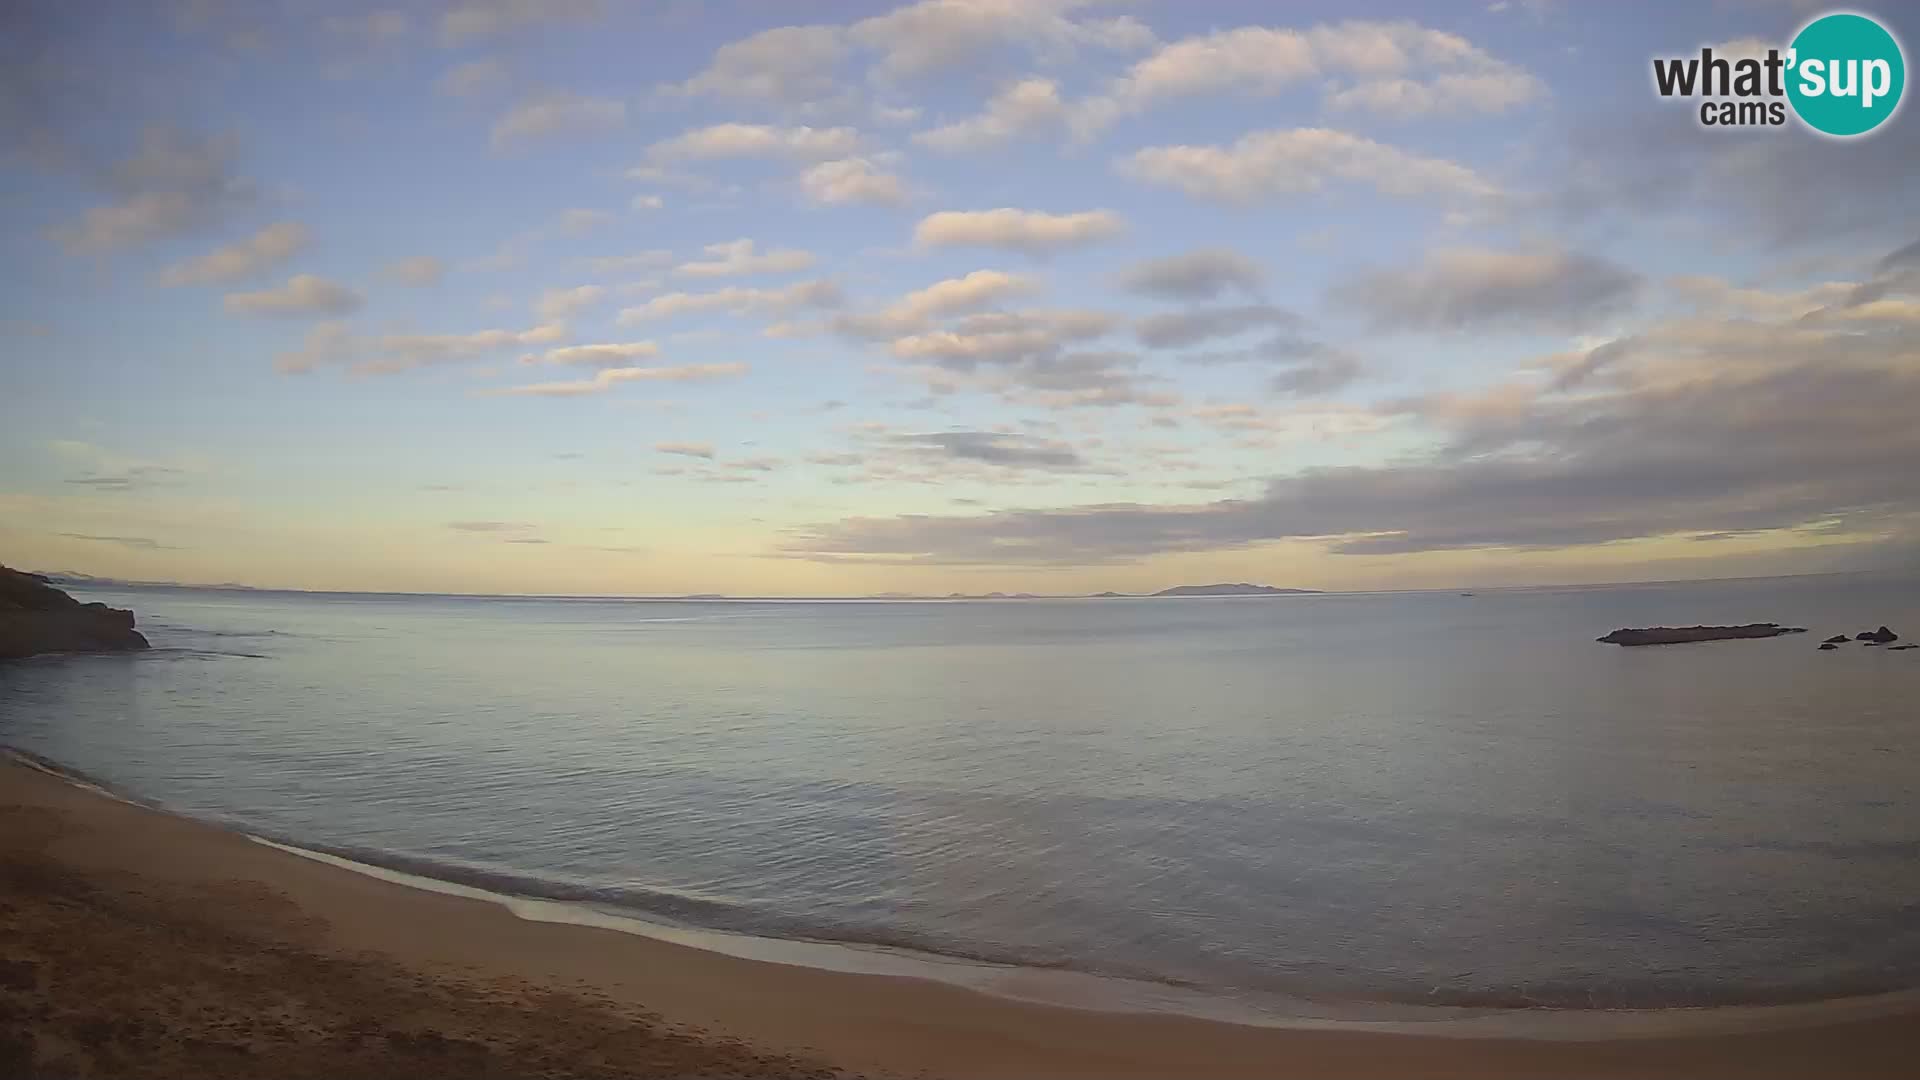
302	295
788	65
638	262
915	311
648	202
264	250
1003	337
418	270
472	20
1028	109
722	141
935	35
556	114
621	354
737	301
475	78
559	305
1291	162
1031	232
607	378
1400	68
1490	92
686	449
335	343
851	180
736	258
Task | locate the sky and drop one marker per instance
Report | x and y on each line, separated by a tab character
956	296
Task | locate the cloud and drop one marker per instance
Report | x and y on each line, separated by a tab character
417	270
106	470
1028	109
472	20
915	311
556	114
336	344
1691	427
647	202
607	378
995	448
737	301
264	250
639	262
1462	288
1003	337
603	356
1197	275
303	295
737	258
686	449
1182	328
1487	92
851	180
1030	232
1679	175
728	141
175	183
1399	68
559	305
1299	366
473	79
785	66
937	35
141	543
488	526
1298	161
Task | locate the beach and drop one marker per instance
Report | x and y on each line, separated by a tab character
139	943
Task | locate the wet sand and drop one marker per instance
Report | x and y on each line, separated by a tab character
134	943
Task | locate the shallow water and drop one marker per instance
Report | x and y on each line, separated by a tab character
1423	797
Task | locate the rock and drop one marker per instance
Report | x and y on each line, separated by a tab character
1672	635
37	618
1827	646
1838	639
1903	648
1879	637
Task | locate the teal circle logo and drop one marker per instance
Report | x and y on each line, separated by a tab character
1846	74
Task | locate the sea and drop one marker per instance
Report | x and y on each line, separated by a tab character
1439	798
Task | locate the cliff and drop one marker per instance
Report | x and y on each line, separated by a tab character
37	618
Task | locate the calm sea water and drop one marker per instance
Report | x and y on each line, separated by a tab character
1395	796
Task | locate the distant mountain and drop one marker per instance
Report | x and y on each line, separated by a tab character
1108	596
1236	589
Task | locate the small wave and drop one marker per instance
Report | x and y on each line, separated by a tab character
181	652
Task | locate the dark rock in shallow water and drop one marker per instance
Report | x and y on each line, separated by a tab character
1838	639
37	618
1827	646
1903	648
1878	637
1676	635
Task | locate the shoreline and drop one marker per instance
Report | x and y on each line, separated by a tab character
1081	988
886	1022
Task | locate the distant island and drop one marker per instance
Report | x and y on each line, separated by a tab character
1239	588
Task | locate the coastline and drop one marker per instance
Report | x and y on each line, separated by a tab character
866	1015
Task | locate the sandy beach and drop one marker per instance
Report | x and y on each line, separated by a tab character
141	944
